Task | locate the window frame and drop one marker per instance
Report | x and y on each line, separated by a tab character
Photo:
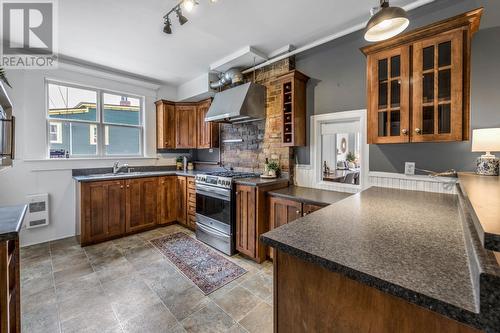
316	180
99	122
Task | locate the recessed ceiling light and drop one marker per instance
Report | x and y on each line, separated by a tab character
386	23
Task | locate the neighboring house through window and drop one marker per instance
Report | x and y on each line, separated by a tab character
88	122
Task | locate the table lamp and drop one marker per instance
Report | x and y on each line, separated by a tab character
486	140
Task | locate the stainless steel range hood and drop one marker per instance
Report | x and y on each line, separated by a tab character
240	104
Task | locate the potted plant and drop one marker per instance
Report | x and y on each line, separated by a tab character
178	162
273	168
351	158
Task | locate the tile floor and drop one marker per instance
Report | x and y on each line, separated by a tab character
126	285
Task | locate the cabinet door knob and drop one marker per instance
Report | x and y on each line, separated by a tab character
298	212
121	186
418	130
404	131
128	186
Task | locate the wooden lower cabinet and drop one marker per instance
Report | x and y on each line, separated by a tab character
252	218
282	211
10	287
141	204
182	200
167	200
115	208
246	197
103	210
308	209
309	298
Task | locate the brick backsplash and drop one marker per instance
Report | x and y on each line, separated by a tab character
261	139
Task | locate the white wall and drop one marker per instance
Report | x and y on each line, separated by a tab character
32	173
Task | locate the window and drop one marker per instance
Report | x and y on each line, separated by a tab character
88	122
339	152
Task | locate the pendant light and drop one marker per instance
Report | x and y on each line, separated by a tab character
386	23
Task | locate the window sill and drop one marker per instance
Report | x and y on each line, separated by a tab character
117	158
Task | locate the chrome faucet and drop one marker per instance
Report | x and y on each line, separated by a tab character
117	167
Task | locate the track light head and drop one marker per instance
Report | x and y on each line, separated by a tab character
182	18
167	28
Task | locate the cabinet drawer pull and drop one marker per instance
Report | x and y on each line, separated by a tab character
418	130
298	212
121	186
128	186
404	131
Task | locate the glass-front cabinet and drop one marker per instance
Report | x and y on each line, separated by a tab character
418	83
389	82
437	88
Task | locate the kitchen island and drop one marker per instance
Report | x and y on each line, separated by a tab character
384	260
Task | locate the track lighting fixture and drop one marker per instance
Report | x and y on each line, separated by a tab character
182	18
387	22
168	26
187	5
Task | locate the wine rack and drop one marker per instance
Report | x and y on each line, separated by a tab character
293	103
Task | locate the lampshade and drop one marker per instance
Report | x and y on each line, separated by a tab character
386	23
486	140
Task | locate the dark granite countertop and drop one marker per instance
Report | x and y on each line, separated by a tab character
138	174
308	195
406	243
11	221
257	181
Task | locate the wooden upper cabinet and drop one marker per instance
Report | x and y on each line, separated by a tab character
418	83
183	126
142	203
438	88
293	104
165	125
388	98
208	132
185	120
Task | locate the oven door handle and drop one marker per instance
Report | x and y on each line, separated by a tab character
212	232
214	192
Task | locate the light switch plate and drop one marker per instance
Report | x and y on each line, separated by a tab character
409	168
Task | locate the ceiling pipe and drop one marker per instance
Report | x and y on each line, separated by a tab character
321	41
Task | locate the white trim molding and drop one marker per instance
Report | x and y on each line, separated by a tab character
415	183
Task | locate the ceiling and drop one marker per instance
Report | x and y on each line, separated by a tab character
127	35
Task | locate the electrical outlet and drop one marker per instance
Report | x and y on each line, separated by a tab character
409	168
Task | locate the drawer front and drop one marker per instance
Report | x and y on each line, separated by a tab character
192	196
191	208
191	183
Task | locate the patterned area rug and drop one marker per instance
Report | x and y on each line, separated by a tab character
202	265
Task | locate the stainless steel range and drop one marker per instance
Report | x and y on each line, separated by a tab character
215	209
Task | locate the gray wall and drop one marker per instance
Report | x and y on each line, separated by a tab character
338	75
